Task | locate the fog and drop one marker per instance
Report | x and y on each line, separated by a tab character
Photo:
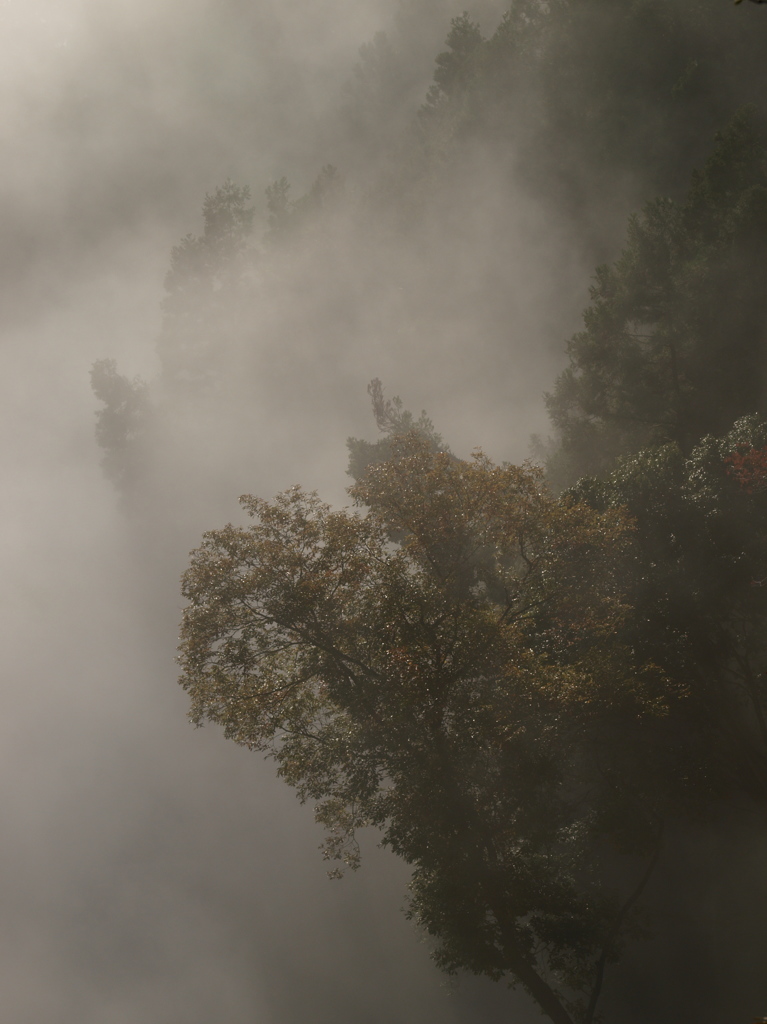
152	872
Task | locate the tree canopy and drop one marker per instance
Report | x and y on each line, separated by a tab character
674	340
436	666
699	599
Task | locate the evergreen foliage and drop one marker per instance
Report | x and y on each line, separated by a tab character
122	423
393	420
674	340
287	216
583	98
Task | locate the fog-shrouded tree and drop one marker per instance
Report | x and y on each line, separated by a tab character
377	104
515	689
208	315
571	99
122	423
587	98
674	339
392	420
441	664
206	284
288	216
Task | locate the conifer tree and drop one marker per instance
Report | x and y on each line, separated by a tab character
674	339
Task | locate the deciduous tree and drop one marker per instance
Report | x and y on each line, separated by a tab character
441	664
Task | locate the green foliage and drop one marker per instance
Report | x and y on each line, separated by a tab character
209	279
456	65
700	601
207	313
515	689
576	98
205	261
673	346
377	104
376	74
279	206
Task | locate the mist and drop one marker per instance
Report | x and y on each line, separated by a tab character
153	872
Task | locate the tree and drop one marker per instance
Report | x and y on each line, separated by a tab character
392	421
208	280
456	66
442	666
287	215
699	596
674	338
589	102
122	423
377	101
209	276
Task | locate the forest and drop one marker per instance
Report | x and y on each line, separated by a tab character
523	648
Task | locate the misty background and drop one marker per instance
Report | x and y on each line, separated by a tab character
152	872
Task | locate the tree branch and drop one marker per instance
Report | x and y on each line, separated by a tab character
617	925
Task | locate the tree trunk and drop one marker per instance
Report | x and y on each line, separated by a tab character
530	979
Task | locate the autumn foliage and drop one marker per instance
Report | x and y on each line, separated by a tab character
435	663
749	467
